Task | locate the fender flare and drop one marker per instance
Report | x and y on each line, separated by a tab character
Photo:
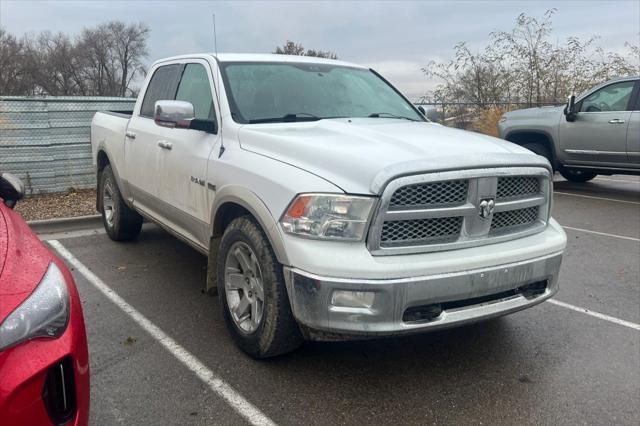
250	201
552	144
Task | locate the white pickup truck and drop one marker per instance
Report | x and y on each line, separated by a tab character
328	206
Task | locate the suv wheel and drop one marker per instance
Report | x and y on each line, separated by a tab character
120	222
252	292
576	175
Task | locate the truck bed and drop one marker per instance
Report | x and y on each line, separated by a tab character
108	130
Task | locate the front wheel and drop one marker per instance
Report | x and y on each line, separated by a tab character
576	175
252	292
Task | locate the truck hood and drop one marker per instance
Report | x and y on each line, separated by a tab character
361	155
539	112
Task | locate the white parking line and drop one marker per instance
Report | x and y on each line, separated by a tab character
596	198
243	407
594	314
624	237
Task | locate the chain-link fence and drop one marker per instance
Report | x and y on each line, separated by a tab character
45	141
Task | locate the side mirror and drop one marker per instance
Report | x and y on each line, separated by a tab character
180	115
11	189
173	114
422	111
569	109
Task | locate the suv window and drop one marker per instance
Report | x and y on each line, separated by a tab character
614	97
162	87
195	88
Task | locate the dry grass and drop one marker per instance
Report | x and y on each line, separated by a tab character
487	121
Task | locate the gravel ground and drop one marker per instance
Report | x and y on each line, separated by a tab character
66	204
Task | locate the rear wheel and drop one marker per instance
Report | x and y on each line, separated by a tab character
252	292
120	222
577	175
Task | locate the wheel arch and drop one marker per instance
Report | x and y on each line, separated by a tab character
521	137
103	159
235	201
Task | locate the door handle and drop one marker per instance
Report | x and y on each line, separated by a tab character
616	121
165	145
130	135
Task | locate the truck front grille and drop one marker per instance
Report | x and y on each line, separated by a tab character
447	210
514	218
418	231
517	186
430	194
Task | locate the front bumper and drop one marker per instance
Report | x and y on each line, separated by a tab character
462	297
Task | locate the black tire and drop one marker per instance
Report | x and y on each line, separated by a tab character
540	149
276	331
120	222
577	175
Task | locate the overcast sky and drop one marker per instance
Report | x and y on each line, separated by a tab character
395	38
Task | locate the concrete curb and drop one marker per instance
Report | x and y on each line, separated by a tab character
66	224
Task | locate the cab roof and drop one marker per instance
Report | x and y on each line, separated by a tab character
264	57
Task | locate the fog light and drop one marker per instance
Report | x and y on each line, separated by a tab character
353	299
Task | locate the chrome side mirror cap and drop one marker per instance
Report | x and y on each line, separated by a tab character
11	189
173	114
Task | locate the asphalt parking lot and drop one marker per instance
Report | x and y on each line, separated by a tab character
160	353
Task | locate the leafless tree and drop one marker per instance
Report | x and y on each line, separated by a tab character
293	48
524	65
130	47
101	61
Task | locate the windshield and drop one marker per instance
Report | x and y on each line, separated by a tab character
267	92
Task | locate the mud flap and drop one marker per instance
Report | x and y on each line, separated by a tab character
212	280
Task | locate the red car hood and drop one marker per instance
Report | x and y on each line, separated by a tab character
23	260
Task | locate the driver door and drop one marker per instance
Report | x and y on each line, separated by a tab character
598	136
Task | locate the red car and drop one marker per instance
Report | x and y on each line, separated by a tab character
44	362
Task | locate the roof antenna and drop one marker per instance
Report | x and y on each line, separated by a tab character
215	46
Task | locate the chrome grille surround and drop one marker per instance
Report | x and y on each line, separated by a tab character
520	210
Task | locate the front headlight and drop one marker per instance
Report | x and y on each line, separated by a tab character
44	314
330	217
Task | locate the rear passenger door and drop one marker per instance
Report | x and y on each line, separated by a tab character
143	170
183	188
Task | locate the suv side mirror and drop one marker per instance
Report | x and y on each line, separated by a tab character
11	189
180	115
569	109
422	111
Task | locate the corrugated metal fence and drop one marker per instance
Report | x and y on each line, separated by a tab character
46	140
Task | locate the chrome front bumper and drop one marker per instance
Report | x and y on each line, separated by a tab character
462	297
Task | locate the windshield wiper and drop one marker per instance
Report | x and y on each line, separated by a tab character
389	115
291	117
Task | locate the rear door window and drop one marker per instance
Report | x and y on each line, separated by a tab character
195	88
162	87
